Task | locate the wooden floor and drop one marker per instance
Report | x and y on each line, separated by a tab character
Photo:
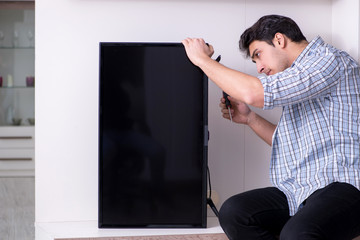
17	208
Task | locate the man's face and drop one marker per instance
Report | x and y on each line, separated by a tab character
269	59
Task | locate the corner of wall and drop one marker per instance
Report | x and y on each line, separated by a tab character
345	16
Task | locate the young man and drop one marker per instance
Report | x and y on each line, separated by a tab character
315	162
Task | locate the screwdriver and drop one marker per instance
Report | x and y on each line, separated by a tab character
225	95
227	103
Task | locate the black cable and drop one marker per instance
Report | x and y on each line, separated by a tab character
209	200
208	173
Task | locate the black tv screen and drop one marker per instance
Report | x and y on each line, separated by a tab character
152	137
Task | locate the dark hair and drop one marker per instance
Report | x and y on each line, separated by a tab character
266	28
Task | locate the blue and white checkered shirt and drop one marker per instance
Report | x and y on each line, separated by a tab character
317	140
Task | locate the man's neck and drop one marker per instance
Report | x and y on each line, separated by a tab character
296	49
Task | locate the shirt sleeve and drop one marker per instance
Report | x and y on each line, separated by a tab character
313	77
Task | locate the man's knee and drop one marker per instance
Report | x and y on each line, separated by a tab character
254	214
234	218
301	231
230	211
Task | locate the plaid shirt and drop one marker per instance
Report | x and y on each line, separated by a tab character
317	140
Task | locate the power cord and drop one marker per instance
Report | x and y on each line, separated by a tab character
209	200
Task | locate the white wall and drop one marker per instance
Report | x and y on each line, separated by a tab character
345	27
68	33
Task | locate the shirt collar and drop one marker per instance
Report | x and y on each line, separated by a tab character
317	41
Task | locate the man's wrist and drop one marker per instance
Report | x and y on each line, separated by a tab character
251	118
203	61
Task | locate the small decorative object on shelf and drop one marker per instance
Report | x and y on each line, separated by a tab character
31	121
30	81
16	39
30	36
16	121
10	81
2	36
9	115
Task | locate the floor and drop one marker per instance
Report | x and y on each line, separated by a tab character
17	208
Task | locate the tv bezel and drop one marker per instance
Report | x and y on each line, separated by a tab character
203	223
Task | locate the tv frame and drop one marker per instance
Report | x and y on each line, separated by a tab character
203	223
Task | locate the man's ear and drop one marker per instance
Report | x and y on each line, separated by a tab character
279	40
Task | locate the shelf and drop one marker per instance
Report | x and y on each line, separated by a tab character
11	127
16	126
16	87
15	48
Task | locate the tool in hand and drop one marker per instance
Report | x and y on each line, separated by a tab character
225	95
227	103
218	58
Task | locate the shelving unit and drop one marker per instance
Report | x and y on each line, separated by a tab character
17	98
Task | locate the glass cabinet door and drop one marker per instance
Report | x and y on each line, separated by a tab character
17	63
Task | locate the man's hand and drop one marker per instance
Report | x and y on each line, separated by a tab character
240	112
197	50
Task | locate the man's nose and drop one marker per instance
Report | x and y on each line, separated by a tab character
260	68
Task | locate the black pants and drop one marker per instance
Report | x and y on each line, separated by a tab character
331	213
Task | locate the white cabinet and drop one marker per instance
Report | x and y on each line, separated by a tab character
17	91
17	154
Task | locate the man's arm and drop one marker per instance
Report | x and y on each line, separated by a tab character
242	114
263	128
241	86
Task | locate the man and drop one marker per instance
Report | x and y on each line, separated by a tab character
315	162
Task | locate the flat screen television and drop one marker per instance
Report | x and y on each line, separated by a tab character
152	137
